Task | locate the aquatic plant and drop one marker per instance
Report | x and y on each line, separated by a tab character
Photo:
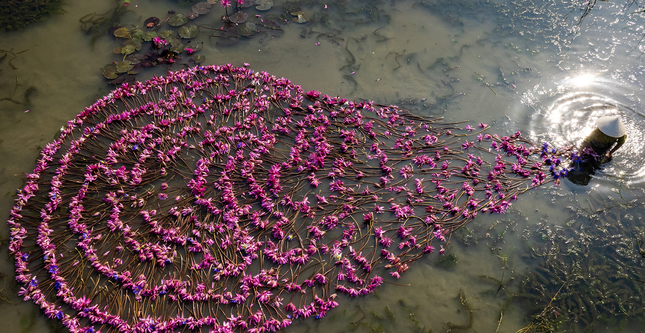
17	14
587	276
225	198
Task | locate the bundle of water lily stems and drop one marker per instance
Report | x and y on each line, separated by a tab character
219	198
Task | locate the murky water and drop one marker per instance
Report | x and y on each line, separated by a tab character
525	65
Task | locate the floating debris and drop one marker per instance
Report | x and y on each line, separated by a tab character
300	17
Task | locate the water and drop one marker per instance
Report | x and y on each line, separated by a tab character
523	65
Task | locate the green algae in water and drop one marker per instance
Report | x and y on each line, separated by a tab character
447	261
17	14
588	276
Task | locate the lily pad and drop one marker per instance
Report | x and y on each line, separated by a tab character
247	3
124	66
178	48
178	20
189	31
109	72
212	2
247	30
166	34
192	15
149	35
198	59
151	22
173	41
202	8
121	32
127	49
239	17
136	34
135	58
263	4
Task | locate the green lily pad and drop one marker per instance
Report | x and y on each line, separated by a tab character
178	20
109	72
121	32
263	4
189	31
137	33
166	33
127	49
178	48
248	29
148	36
124	66
173	41
198	59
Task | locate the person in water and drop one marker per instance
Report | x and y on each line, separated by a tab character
608	136
597	148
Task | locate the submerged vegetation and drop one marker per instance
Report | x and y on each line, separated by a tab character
586	275
17	14
174	41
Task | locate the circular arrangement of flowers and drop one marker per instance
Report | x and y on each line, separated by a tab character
225	199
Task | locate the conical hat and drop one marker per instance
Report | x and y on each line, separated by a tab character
611	125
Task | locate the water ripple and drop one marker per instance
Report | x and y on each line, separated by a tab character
565	111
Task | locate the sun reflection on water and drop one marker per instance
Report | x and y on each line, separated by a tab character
565	112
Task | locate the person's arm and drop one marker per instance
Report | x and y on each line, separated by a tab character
619	143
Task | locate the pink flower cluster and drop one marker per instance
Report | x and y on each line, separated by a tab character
196	191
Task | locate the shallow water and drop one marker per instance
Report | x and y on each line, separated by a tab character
522	65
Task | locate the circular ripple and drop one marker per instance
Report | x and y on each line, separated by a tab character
567	112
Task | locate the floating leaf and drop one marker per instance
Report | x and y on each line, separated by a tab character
117	50
173	41
198	59
135	58
109	72
151	22
124	66
212	2
128	49
137	33
246	3
263	4
248	29
192	15
177	20
148	36
239	17
178	48
121	32
202	8
166	33
189	31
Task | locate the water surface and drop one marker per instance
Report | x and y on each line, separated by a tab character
533	66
